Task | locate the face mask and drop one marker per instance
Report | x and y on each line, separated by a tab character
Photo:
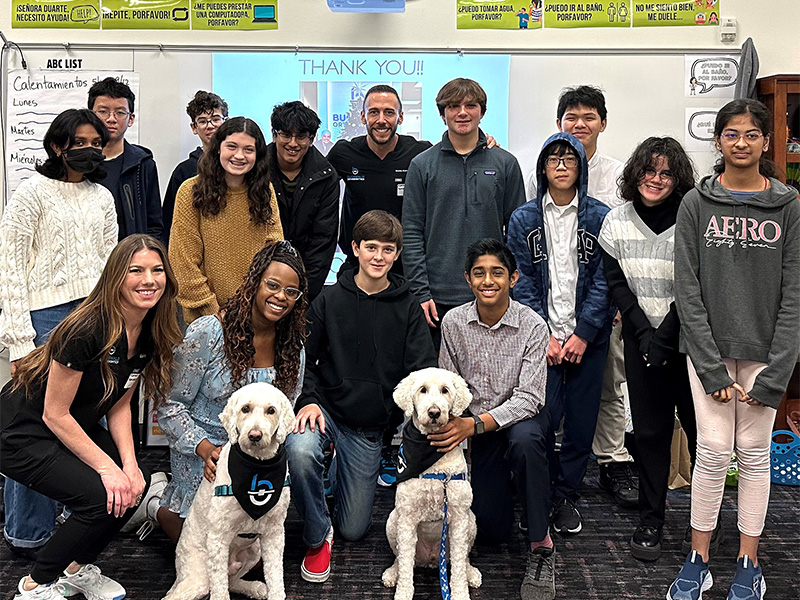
83	160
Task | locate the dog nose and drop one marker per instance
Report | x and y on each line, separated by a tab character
255	435
434	413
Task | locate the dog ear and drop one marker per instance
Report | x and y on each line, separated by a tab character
286	420
463	397
404	393
228	418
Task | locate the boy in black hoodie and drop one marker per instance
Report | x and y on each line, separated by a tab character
366	333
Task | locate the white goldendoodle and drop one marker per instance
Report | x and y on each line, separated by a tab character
225	533
430	397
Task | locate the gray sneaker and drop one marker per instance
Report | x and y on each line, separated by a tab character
540	580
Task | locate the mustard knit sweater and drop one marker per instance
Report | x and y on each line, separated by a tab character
211	254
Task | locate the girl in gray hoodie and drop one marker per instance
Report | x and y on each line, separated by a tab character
737	291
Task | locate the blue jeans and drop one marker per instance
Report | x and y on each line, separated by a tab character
353	475
31	517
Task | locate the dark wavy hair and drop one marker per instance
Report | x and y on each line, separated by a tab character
210	188
61	134
760	115
205	102
237	315
679	163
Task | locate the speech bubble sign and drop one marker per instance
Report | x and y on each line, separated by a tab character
83	13
711	73
701	125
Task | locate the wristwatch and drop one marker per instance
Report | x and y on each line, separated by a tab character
480	427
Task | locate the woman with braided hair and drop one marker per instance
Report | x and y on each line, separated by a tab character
256	337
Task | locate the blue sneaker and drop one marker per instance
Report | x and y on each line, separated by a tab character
387	473
748	583
694	579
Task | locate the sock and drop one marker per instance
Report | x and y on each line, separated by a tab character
545	543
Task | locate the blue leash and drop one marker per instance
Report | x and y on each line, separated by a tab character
443	583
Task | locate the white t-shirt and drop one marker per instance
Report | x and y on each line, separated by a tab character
604	172
561	231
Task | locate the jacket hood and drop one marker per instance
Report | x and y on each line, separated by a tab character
775	196
196	153
583	175
133	155
397	286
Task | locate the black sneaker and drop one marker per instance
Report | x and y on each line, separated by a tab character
717	537
646	542
566	518
617	479
539	582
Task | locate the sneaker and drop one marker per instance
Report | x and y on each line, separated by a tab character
387	473
92	584
693	579
646	542
748	582
539	582
51	591
143	520
717	537
566	518
316	566
617	479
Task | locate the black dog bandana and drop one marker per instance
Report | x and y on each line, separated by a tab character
256	484
416	454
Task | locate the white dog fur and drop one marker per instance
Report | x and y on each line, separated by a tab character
211	557
414	527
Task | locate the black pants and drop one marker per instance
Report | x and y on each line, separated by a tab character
436	332
49	468
655	393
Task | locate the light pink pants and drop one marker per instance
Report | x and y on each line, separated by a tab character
725	428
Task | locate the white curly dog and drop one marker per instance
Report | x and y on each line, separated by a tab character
212	553
429	397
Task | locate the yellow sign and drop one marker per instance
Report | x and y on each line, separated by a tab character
688	12
610	13
513	14
145	14
55	14
234	14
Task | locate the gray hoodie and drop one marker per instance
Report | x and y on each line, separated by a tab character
737	283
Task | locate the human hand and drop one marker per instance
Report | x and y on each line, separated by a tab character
118	490
310	415
617	319
491	142
210	455
573	349
553	352
451	435
431	315
134	475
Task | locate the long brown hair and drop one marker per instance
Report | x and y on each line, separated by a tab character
290	331
102	309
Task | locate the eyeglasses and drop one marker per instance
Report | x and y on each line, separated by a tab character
273	287
570	162
216	121
300	138
665	176
104	113
731	137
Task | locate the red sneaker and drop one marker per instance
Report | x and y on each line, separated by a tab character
316	566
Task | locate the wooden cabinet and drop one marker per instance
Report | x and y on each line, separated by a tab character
781	94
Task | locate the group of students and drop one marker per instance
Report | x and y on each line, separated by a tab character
250	238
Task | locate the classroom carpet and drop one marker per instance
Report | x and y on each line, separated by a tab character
592	565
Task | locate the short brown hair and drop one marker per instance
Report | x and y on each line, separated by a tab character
458	90
378	225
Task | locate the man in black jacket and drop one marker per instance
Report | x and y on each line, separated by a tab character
307	189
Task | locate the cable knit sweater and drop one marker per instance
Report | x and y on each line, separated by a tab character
55	238
211	255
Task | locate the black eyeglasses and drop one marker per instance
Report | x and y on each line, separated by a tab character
570	162
216	121
300	138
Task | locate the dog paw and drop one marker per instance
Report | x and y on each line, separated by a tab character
251	589
404	593
389	577
474	577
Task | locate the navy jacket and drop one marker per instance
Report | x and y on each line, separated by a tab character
528	241
185	170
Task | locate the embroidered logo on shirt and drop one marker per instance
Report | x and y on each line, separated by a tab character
726	231
490	172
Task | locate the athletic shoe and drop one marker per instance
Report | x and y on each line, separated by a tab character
387	473
539	582
92	584
316	566
51	591
717	537
618	480
693	579
566	518
748	582
144	520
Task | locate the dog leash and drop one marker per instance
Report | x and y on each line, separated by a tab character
443	582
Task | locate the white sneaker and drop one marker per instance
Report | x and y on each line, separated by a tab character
143	520
92	584
51	591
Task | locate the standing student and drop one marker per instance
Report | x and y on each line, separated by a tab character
55	237
222	218
131	174
307	189
554	239
50	435
638	241
207	112
737	289
457	192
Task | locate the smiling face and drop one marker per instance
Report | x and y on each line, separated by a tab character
291	147
375	258
741	152
237	154
657	183
382	116
145	282
270	306
584	123
490	282
115	114
462	118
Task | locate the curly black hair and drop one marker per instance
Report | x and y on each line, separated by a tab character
290	331
679	163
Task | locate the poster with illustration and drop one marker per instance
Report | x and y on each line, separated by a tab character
688	12
710	76
611	13
489	14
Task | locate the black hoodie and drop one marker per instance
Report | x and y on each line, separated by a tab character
359	348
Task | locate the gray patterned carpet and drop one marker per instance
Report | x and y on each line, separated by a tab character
593	565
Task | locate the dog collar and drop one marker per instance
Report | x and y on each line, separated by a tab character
445	478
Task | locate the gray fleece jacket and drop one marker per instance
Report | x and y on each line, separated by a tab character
737	284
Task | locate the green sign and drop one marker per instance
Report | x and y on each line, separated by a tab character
233	14
609	13
55	14
485	14
145	14
689	12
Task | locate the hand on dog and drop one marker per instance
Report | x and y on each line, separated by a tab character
310	415
451	435
210	455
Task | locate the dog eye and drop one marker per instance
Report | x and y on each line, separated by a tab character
271	410
445	390
423	389
246	408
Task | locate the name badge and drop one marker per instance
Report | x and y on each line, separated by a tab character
401	187
132	379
